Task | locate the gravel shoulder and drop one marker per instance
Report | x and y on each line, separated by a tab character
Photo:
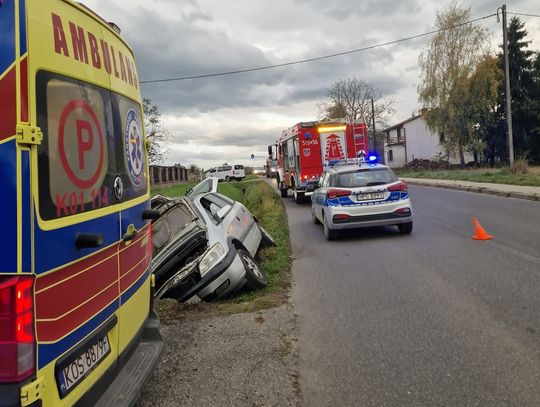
246	359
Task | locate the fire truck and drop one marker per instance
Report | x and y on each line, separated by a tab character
306	148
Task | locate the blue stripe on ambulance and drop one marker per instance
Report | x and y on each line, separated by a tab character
8	207
26	213
22	26
131	290
7	43
133	216
55	248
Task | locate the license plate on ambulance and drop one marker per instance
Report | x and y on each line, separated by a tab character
71	373
370	196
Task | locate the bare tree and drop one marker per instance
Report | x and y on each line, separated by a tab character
154	131
447	67
351	99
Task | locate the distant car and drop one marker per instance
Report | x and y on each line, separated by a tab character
352	195
227	172
204	245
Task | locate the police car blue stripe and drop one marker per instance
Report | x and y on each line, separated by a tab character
347	201
49	352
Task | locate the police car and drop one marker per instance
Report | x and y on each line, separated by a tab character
360	193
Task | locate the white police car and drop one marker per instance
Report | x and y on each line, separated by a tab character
360	194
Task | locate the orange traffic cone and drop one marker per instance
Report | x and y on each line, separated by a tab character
480	233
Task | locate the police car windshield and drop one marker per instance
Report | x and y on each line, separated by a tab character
364	178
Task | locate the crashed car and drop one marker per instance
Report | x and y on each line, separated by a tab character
204	245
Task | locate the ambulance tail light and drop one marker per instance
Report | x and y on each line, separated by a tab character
336	193
17	337
399	187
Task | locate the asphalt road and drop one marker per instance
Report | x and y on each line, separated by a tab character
430	319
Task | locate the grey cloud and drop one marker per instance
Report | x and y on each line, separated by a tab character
364	9
240	137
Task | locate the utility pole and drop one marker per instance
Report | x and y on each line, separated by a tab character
507	85
374	134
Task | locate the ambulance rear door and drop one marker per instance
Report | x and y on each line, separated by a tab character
76	222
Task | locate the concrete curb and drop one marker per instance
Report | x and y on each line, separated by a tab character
473	188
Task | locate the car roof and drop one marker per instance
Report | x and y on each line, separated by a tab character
353	167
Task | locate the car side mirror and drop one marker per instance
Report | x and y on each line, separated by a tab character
223	211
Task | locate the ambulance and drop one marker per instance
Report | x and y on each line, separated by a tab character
307	148
76	319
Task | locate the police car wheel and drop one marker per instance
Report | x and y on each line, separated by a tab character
313	217
329	234
405	228
255	277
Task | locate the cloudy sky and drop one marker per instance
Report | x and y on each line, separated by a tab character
228	118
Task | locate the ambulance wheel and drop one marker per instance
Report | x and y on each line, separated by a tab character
284	191
255	277
227	178
329	234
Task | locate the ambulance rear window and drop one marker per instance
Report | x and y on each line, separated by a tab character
92	155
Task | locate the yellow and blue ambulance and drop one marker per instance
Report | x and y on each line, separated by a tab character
76	319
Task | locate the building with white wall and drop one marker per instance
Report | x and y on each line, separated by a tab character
411	139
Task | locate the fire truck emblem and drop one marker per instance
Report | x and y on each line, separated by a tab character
334	149
133	147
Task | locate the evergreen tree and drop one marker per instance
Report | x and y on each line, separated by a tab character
522	84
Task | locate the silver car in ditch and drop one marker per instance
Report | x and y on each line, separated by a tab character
205	245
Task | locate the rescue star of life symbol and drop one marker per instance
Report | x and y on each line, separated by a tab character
133	147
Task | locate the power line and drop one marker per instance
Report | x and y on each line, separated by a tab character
303	61
524	14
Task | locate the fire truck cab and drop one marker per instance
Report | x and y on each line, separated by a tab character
305	149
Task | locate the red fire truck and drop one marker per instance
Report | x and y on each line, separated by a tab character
306	148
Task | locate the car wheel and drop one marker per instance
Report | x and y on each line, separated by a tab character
405	228
313	217
267	239
329	234
227	178
255	278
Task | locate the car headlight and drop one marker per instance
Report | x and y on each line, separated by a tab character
213	256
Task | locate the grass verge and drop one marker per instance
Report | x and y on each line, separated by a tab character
268	208
497	176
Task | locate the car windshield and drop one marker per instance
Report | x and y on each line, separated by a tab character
174	217
364	178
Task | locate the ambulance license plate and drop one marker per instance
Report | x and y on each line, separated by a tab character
370	196
72	373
